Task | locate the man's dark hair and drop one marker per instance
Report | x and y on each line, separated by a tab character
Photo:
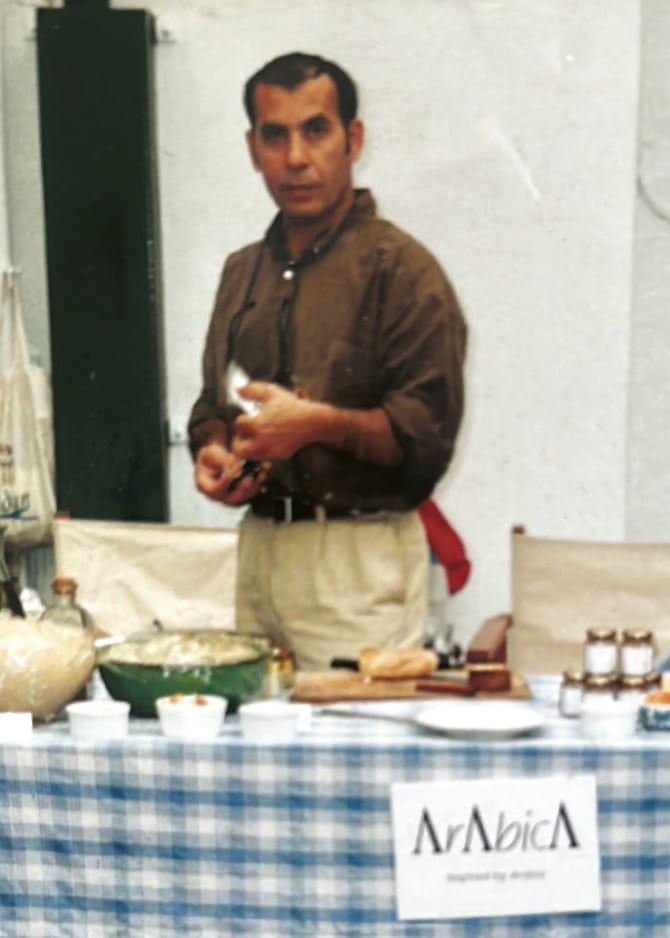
291	70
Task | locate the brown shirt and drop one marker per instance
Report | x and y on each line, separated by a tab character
364	318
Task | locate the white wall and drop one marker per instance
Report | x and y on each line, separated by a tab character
4	231
648	484
503	134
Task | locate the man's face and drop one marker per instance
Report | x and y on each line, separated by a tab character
303	151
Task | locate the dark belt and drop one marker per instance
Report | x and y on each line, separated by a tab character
288	508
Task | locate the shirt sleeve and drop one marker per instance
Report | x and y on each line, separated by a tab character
424	344
209	405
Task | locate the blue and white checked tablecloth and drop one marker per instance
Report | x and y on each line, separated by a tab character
148	837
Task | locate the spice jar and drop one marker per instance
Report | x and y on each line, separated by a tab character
600	651
600	685
570	693
633	687
653	681
637	652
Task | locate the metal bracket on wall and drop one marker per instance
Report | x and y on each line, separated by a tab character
165	32
175	433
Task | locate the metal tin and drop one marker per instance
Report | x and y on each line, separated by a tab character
600	652
637	652
570	693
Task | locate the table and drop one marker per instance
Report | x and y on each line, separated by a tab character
147	837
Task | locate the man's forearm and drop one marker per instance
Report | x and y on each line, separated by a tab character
209	431
365	434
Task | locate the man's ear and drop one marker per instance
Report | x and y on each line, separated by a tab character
355	136
251	146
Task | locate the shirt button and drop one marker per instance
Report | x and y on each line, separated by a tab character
288	274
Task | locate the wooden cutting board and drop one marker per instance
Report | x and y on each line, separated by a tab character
340	685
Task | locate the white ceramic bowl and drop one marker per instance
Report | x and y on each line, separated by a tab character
608	717
271	721
98	719
16	727
191	716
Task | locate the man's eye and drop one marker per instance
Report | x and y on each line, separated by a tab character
316	128
271	134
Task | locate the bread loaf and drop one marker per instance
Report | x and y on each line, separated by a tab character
389	663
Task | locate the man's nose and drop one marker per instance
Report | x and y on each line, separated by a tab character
296	151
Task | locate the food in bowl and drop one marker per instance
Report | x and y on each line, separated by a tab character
43	665
655	711
191	716
225	664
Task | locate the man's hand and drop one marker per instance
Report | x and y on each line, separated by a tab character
216	468
281	427
288	420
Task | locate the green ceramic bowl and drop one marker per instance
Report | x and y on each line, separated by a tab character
240	678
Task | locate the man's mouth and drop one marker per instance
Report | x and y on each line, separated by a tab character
299	191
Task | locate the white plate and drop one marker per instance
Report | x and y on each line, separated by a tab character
483	719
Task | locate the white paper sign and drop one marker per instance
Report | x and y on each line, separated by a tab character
480	848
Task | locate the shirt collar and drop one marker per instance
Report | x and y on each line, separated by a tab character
363	205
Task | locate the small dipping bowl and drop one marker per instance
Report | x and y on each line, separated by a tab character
98	719
15	726
271	721
655	711
191	716
608	717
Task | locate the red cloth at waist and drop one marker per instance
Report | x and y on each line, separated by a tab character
446	544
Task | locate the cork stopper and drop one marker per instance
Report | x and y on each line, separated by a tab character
64	585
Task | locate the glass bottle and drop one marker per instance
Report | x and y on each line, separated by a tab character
10	603
279	679
63	608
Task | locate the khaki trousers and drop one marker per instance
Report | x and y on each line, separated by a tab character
326	589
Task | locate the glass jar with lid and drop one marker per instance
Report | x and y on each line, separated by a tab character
570	693
653	681
600	685
633	687
637	652
601	651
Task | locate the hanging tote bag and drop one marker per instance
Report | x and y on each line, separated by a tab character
27	496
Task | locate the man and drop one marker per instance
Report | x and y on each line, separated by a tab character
354	343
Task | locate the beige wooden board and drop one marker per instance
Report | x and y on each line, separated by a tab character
341	685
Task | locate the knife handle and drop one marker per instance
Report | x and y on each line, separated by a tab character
349	663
